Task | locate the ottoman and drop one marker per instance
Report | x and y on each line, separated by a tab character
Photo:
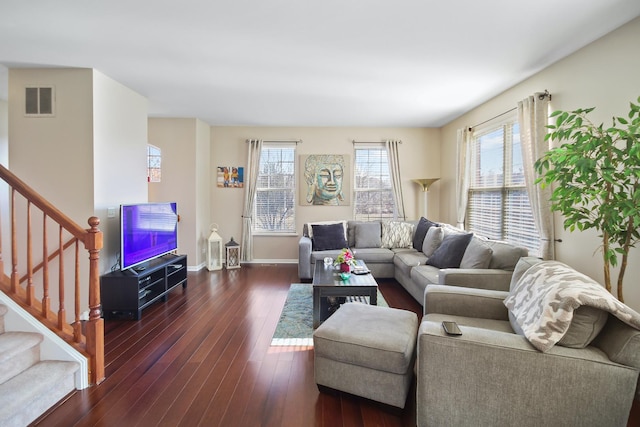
368	351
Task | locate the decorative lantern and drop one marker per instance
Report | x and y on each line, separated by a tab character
214	249
233	254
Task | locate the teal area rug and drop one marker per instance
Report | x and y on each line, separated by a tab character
295	327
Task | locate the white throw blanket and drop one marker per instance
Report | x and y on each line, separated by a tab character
545	297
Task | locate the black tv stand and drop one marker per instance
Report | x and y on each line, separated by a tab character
125	294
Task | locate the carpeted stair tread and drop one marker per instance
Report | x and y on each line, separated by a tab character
25	397
18	351
12	343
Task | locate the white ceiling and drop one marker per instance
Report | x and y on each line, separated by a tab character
307	63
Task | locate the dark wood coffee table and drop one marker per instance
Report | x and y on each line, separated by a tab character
328	283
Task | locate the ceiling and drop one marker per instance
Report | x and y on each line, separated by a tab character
406	63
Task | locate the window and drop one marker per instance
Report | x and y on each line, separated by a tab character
154	161
498	206
373	194
274	207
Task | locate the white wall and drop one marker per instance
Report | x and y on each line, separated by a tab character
419	157
50	153
202	191
604	75
185	177
119	157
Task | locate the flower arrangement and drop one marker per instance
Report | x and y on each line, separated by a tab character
345	257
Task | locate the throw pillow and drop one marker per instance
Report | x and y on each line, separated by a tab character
432	240
327	237
548	296
451	250
368	235
505	255
477	255
397	234
311	224
421	231
585	326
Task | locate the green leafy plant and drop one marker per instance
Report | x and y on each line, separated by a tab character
596	176
345	257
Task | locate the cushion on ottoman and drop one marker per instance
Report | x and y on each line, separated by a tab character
367	351
379	338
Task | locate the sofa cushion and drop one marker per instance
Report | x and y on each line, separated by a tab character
351	231
477	255
523	265
505	255
329	236
451	250
397	234
546	299
421	231
374	255
432	240
424	275
368	235
406	260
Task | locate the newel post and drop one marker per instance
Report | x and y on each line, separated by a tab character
95	325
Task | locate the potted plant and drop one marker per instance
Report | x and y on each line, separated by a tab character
345	260
596	177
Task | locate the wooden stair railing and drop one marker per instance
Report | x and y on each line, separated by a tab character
88	336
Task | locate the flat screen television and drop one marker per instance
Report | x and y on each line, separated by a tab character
147	231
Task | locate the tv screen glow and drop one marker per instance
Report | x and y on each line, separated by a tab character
148	230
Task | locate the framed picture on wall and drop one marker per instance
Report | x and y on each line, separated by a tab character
230	177
324	180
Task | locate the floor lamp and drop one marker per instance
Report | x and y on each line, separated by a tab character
425	184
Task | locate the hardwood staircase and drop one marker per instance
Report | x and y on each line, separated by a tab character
41	284
28	385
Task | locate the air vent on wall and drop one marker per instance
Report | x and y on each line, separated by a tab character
39	101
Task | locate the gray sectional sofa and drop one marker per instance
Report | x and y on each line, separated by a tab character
552	349
413	253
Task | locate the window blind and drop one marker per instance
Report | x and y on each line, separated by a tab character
373	195
498	205
274	207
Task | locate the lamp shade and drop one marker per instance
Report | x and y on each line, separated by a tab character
425	183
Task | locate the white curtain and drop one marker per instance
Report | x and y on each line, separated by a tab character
396	182
462	182
251	180
533	117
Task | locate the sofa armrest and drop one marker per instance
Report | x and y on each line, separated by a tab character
468	302
481	278
304	258
485	377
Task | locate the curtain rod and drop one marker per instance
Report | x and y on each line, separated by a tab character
541	96
283	141
493	118
371	142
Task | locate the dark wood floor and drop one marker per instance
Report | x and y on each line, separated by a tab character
204	358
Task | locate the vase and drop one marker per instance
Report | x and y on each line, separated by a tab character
345	268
